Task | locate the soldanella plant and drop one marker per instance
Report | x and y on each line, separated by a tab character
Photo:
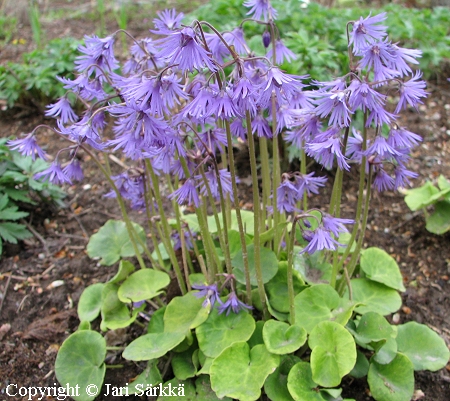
281	301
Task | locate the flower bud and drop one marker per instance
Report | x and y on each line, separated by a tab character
266	39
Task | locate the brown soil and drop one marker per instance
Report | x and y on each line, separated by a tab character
41	280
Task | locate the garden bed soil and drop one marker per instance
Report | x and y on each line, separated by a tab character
41	279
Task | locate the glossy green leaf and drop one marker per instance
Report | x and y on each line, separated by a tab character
319	303
361	367
156	324
90	302
143	284
205	392
184	313
115	314
152	346
80	362
386	351
182	364
374	327
257	336
312	268
239	372
333	353
269	265
181	389
276	383
379	266
374	297
392	382
301	384
149	377
419	198
281	338
439	221
125	269
112	242
221	331
277	289
422	346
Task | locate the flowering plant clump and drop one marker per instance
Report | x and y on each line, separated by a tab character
282	298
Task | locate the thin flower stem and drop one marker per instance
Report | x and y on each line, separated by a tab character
266	181
237	207
276	176
184	258
128	224
290	277
355	255
257	217
303	171
166	237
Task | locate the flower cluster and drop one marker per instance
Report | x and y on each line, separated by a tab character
171	109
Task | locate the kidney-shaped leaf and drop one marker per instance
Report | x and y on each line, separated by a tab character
221	331
333	353
439	221
80	362
143	284
392	382
269	265
422	346
90	302
112	242
152	346
301	384
239	372
281	338
381	267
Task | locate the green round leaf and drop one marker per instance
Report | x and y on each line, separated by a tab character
205	392
182	364
276	383
152	346
422	346
149	377
90	302
143	284
239	372
439	221
125	269
333	353
301	384
386	351
319	303
80	362
281	338
115	314
277	289
379	266
173	389
392	382
374	327
112	242
361	366
269	265
374	297
184	313
221	331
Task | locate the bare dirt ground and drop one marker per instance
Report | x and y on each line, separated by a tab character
41	280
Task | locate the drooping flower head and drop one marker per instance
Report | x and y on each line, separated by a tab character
27	147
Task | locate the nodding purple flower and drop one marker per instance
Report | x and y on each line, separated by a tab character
319	239
167	21
213	184
287	196
73	171
402	176
236	38
54	174
63	110
261	127
365	31
183	48
210	292
261	8
282	53
309	183
188	235
97	52
411	92
27	147
383	181
284	85
402	138
336	104
233	304
325	152
380	58
186	194
335	224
